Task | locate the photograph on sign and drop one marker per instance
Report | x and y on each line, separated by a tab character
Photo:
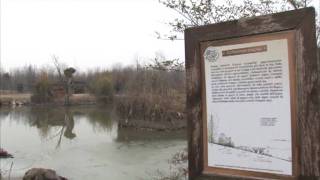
248	115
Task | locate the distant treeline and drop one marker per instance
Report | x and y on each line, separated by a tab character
159	77
145	96
21	79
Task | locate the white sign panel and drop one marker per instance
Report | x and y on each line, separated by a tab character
248	106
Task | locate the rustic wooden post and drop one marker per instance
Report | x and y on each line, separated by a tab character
304	83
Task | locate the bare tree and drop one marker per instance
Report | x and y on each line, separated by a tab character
58	67
201	12
65	80
68	73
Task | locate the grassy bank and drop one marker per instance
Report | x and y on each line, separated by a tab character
148	111
10	99
18	99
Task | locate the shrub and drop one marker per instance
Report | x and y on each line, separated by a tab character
20	87
102	87
42	91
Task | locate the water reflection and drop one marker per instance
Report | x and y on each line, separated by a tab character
82	142
69	124
60	122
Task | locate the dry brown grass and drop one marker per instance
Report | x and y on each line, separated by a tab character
15	96
25	98
76	99
149	111
82	99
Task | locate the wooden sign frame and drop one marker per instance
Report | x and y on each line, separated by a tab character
298	27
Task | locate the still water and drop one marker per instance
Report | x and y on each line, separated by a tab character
83	143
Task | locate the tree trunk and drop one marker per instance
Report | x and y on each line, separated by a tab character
68	92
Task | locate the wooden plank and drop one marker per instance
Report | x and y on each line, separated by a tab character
307	77
308	98
193	107
250	26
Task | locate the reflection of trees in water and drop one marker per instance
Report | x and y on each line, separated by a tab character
46	119
4	113
54	123
69	123
101	119
98	117
67	127
17	115
133	135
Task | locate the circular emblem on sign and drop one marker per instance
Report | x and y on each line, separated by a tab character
211	54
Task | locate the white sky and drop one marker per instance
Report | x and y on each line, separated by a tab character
85	33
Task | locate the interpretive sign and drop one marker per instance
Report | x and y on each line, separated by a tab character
245	113
248	106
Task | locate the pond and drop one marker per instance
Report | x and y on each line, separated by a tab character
83	142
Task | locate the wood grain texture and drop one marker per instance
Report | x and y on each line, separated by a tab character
195	162
250	26
308	98
307	77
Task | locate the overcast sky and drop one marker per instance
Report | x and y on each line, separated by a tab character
84	33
